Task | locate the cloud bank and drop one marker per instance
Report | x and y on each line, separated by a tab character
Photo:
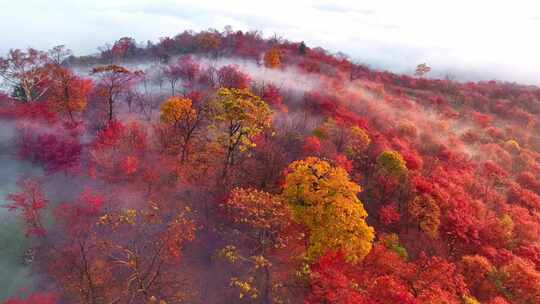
471	40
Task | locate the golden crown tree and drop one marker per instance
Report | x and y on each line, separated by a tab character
182	119
238	116
323	198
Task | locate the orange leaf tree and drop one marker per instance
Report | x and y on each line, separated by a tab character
273	57
180	121
68	92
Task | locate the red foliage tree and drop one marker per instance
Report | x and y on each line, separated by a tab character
312	145
31	203
54	151
26	73
329	283
389	214
271	94
118	151
230	76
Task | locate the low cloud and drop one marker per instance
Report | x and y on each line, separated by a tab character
459	37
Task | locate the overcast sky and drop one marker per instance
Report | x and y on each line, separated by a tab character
476	39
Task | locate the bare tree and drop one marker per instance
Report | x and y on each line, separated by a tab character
59	54
113	81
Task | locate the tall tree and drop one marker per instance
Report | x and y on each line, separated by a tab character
144	247
324	199
25	72
258	220
68	92
181	120
113	81
59	54
238	116
31	203
124	48
425	211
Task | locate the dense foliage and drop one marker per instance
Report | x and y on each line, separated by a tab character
196	180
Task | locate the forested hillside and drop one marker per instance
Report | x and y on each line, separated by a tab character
222	167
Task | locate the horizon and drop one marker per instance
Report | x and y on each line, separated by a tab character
393	37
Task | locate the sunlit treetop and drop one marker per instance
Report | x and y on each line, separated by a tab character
176	109
392	163
358	141
324	199
257	209
243	114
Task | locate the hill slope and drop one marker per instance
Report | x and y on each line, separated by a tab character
224	167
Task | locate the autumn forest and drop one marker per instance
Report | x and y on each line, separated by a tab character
224	167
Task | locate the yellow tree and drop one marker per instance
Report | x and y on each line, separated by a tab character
180	120
324	199
256	221
392	163
272	58
358	142
238	116
391	179
512	146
